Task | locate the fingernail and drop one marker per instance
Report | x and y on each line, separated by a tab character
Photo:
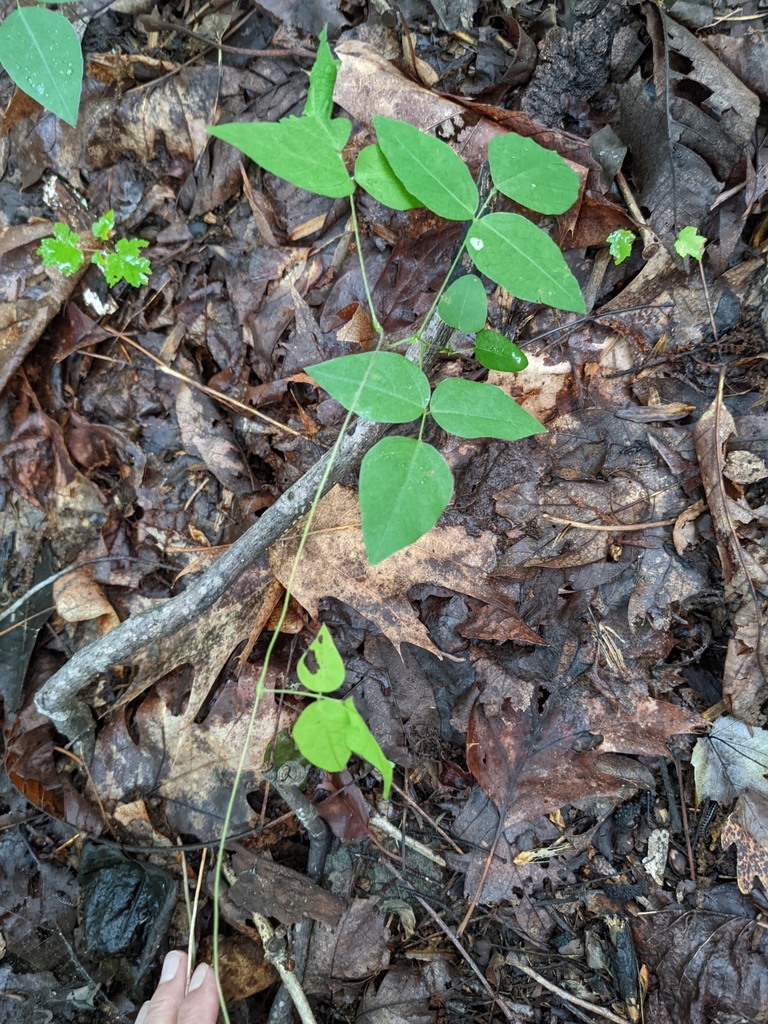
171	965
197	979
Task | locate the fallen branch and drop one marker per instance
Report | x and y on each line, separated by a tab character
59	699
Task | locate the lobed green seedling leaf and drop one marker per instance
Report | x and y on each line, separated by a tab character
330	668
537	178
62	251
124	263
620	244
523	259
689	243
405	486
373	173
496	352
428	169
41	53
104	226
393	389
469	409
464	304
328	732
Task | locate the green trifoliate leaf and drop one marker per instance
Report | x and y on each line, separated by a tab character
295	149
465	304
373	173
469	409
330	668
428	169
380	386
499	353
404	487
328	732
104	226
322	79
689	243
41	53
125	263
533	176
62	251
523	259
620	244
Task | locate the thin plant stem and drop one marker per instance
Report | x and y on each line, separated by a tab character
366	285
260	688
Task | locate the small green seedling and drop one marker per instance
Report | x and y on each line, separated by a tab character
329	731
121	263
690	243
405	483
620	244
40	51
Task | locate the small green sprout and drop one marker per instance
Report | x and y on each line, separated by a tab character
620	244
688	243
121	263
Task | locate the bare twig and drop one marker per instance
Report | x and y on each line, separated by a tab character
567	997
508	1013
607	527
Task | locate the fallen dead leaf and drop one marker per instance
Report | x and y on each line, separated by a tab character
747	827
522	740
334	564
189	764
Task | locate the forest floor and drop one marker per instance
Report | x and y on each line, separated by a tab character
568	671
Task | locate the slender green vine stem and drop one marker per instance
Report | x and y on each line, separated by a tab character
260	688
462	249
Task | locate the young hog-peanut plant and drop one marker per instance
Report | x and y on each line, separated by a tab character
405	483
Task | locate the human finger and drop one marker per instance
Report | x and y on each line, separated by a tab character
201	1005
164	1005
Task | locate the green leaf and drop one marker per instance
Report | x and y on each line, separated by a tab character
322	79
404	487
62	250
282	751
373	173
104	226
330	668
620	244
523	259
380	386
329	731
499	353
320	733
364	744
469	409
41	53
465	304
688	243
125	262
537	178
293	149
428	169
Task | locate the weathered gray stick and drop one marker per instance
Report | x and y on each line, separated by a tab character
59	697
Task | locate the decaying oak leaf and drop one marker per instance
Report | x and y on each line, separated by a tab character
189	764
522	740
747	827
334	564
